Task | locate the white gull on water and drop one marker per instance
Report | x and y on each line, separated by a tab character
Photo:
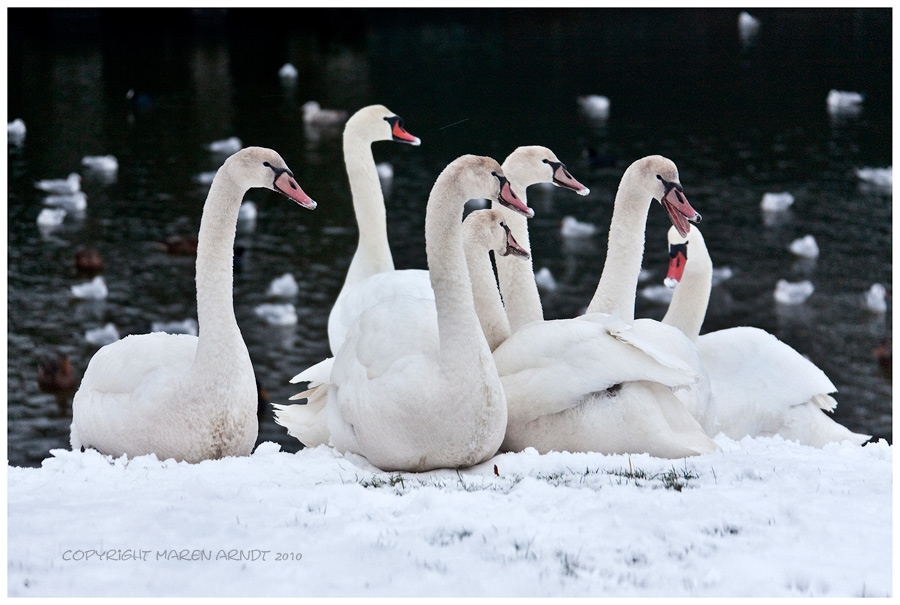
763	517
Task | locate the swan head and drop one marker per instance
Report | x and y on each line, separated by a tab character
261	167
532	164
680	247
477	177
378	123
658	177
486	230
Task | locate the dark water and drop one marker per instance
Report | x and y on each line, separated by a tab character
738	120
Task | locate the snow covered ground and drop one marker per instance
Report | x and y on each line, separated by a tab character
764	517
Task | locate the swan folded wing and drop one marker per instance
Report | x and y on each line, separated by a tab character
128	362
548	367
373	290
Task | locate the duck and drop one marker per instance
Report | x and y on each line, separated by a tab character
884	355
101	163
793	293
314	115
414	387
227	146
88	261
67	186
105	335
373	253
603	381
805	247
188	398
93	290
283	287
759	386
277	314
776	201
57	377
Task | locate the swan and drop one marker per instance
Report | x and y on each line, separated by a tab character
66	186
759	385
526	166
373	253
597	382
414	386
179	396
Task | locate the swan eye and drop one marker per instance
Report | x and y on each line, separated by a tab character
660	178
267	165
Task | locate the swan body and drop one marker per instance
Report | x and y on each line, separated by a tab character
601	382
776	202
179	396
805	247
373	253
759	386
793	293
414	386
67	186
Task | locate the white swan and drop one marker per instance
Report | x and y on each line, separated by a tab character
597	383
373	253
179	396
759	385
483	230
414	386
526	166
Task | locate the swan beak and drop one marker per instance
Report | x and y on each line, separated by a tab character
512	246
679	210
512	201
288	187
399	134
677	262
563	178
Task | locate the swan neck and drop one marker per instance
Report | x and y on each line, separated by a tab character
488	306
219	334
516	275
459	330
625	251
691	297
373	252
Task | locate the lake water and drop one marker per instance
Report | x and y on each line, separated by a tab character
739	119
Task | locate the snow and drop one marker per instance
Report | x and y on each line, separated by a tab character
763	517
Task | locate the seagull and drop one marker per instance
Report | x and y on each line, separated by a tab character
788	293
805	246
67	186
